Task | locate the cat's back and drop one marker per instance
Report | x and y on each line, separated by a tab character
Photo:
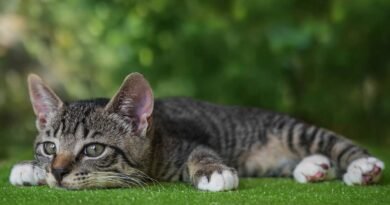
207	122
185	107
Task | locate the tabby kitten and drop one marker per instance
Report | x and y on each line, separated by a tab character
133	139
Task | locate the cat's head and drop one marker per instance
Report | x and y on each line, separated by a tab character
94	143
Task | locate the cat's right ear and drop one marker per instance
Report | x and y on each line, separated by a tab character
44	101
134	102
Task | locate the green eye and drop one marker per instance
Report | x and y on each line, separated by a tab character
94	150
49	148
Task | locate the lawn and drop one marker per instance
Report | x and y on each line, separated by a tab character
251	191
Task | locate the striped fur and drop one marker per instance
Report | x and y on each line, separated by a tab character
184	140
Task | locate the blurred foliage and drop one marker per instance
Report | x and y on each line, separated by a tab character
327	62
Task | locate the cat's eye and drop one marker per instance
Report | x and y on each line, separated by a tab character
49	148
94	150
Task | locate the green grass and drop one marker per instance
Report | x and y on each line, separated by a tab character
251	191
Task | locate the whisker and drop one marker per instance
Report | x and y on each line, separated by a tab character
135	178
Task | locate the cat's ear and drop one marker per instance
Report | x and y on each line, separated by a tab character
44	101
134	102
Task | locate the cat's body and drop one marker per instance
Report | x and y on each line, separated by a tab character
182	139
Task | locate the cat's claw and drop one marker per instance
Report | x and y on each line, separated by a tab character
27	174
314	168
226	180
364	171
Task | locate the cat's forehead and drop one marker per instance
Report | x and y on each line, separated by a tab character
87	120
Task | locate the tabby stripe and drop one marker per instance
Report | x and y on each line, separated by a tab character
86	130
55	132
225	141
179	149
332	140
63	128
279	124
163	168
345	151
90	134
314	147
232	143
261	129
360	152
313	134
262	135
111	161
58	130
290	137
224	138
74	130
169	176
87	112
302	137
237	143
214	129
94	134
129	162
310	137
321	141
183	155
350	154
272	121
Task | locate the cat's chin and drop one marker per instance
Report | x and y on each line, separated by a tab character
65	186
54	184
77	186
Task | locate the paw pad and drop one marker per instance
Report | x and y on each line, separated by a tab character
364	171
314	168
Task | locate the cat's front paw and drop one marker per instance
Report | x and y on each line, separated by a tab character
364	171
314	168
25	174
212	178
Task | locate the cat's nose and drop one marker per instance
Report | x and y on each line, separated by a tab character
61	166
60	173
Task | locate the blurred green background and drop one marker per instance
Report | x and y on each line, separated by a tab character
327	62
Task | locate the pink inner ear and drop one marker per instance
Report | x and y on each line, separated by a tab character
145	107
42	119
39	102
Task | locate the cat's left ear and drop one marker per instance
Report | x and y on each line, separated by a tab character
134	102
43	99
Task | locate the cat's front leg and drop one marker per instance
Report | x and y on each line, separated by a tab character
27	173
208	172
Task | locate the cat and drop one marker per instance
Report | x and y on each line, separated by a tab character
133	139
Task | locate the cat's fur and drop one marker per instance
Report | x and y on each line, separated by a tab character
182	139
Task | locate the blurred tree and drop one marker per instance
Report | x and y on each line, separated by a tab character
324	61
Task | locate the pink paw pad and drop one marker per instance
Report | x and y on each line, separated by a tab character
368	178
319	176
364	171
376	170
